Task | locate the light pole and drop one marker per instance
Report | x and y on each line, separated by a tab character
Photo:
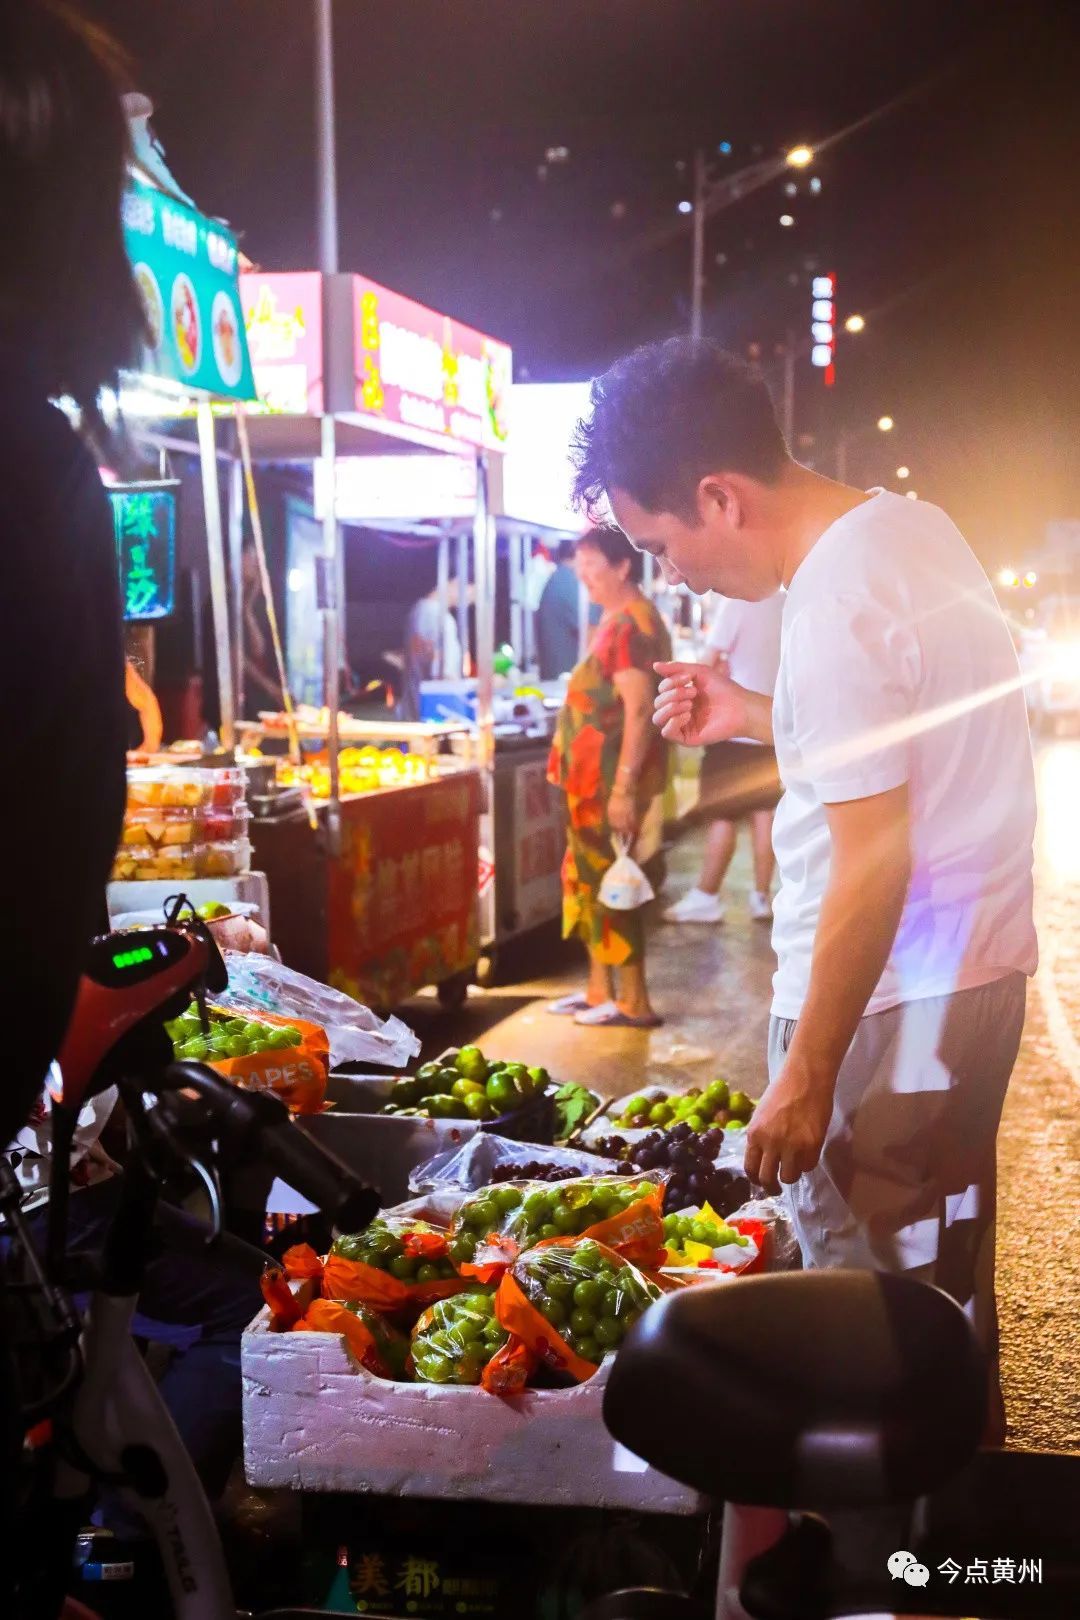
884	424
697	264
711	195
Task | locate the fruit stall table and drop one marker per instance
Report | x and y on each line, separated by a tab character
395	909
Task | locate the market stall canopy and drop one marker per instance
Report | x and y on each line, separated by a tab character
186	267
345	345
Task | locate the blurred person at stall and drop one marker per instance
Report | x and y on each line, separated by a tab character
70	318
904	920
262	688
612	766
433	649
146	727
558	616
739	780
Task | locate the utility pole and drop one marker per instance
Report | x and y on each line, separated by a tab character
788	400
697	281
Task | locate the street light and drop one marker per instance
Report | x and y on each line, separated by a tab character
855	323
800	157
1031	578
903	472
912	494
885	424
1008	579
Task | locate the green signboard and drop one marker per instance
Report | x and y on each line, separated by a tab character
144	520
186	269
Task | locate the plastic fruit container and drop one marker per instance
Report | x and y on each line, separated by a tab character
144	862
225	787
225	824
159	828
165	788
227	859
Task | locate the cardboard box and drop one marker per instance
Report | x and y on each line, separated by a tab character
315	1420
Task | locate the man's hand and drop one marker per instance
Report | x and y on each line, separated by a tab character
696	705
787	1133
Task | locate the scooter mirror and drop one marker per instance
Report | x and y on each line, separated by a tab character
812	1389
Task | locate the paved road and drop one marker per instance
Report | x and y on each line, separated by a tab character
713	985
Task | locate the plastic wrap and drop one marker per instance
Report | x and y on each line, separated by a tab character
455	1339
473	1165
394	1265
571	1301
496	1224
261	984
781	1249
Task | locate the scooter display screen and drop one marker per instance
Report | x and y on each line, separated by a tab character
120	960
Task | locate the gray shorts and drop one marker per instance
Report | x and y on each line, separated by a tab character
907	1178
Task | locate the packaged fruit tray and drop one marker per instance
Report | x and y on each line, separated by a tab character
150	862
184	787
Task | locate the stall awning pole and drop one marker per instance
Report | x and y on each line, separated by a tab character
517	596
236	584
326	166
215	554
484	563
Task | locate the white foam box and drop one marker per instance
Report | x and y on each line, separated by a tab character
315	1420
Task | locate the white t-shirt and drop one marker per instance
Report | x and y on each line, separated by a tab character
748	634
897	666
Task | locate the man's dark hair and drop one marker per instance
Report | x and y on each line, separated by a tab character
565	551
67	294
616	548
665	416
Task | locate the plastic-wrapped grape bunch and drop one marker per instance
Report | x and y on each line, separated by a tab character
411	1251
679	1230
587	1296
689	1156
524	1213
454	1340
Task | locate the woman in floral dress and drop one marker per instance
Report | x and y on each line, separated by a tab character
612	765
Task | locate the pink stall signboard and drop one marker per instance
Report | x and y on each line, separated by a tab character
283	314
420	372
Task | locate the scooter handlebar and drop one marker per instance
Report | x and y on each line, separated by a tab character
257	1126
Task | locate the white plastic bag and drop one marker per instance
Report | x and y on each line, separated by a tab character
261	984
625	886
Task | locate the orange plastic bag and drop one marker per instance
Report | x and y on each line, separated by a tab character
396	1265
374	1342
461	1341
496	1224
570	1327
301	1263
296	1074
284	1307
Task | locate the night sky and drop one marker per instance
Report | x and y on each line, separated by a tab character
951	217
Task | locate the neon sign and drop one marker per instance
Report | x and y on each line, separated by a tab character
418	369
283	318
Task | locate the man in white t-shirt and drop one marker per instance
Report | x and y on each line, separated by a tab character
739	781
903	929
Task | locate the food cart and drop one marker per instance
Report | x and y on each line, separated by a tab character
382	872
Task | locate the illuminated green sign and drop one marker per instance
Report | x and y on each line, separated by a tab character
127	959
144	522
186	267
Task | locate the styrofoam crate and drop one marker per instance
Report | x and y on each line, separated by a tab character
315	1420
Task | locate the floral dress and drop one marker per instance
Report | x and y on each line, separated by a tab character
583	762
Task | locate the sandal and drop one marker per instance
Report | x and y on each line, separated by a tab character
609	1016
568	1005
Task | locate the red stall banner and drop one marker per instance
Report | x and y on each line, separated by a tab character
403	893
